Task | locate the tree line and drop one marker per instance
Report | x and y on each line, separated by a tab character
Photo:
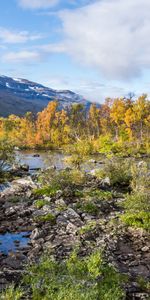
116	123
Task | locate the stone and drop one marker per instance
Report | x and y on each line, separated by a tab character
145	249
36	234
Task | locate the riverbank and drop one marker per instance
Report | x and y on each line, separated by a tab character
78	211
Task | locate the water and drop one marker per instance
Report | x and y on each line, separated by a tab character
46	159
49	159
4	186
13	241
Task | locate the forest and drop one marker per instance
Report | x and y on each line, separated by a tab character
120	125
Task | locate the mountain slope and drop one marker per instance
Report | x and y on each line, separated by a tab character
17	96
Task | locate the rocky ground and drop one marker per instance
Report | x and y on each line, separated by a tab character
60	225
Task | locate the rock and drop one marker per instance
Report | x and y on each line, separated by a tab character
18	167
36	155
145	249
105	182
93	161
25	167
60	202
71	228
36	234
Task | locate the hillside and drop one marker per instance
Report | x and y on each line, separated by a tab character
17	96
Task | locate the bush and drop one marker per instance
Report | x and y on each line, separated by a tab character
87	207
138	220
75	279
12	294
140	178
40	203
46	218
137	202
118	170
47	190
6	155
54	181
94	193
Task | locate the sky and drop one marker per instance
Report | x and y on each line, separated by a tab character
97	48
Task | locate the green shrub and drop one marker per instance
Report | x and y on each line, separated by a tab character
7	156
46	218
140	179
101	195
47	191
88	207
40	203
12	294
138	220
88	278
61	179
88	227
136	202
118	170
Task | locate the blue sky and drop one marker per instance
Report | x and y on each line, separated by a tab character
97	48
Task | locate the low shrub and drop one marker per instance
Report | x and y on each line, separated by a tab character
74	279
47	190
87	207
40	203
46	218
12	294
118	170
137	220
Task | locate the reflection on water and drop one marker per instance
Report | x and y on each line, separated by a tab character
13	241
45	159
50	158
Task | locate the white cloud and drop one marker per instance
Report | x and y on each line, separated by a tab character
92	90
111	36
37	4
14	37
21	57
53	48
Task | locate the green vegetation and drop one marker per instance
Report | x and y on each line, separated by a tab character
137	203
90	226
46	218
87	207
12	293
40	203
118	170
138	220
47	191
75	279
94	193
6	157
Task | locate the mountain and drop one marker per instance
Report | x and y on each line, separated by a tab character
17	96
